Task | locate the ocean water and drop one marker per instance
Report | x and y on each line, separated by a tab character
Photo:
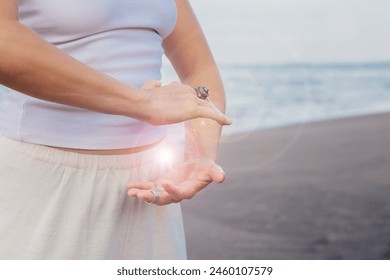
267	96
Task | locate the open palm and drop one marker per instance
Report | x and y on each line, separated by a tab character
183	182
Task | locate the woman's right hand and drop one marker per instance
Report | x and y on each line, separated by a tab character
175	102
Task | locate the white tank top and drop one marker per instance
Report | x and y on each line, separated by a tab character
121	38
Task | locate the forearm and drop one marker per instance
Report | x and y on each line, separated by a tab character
202	135
192	59
33	66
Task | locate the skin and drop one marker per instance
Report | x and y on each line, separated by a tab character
31	65
202	135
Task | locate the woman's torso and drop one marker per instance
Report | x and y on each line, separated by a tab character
121	38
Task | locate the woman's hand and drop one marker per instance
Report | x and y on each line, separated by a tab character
176	103
183	182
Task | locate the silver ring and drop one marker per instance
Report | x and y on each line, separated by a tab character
202	92
156	195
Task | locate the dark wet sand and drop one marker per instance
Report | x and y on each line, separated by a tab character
317	191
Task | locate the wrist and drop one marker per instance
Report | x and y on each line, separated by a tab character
193	151
192	158
202	139
136	104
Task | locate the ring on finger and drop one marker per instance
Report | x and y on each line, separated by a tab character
202	92
156	195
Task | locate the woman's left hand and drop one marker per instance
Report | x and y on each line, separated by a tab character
183	182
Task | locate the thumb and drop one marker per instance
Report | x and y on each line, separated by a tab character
217	174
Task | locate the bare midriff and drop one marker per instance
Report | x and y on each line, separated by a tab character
109	152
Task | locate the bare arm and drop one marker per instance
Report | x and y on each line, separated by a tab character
31	65
191	57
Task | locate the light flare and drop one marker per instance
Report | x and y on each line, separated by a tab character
166	156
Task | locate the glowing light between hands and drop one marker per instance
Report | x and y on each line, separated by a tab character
166	156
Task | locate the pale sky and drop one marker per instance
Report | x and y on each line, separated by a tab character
277	31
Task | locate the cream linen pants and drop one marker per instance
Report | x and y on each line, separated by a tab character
63	205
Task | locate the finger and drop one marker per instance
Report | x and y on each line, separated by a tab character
141	185
173	190
166	199
147	196
214	114
209	104
165	184
133	192
205	102
186	190
217	174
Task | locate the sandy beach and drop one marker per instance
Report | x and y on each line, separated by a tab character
313	191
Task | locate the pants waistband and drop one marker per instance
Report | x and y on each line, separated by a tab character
77	160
